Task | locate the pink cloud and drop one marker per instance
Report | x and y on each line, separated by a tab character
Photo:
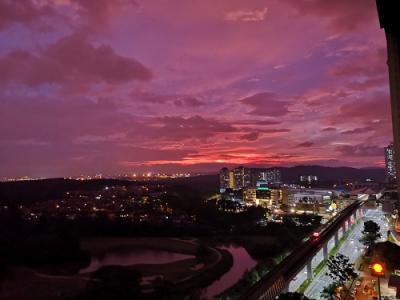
70	60
266	104
358	130
196	127
100	10
342	15
361	150
165	87
255	15
305	144
327	129
252	136
356	65
21	11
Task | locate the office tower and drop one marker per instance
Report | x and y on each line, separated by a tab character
238	175
272	176
224	179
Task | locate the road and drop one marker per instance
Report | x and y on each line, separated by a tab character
352	248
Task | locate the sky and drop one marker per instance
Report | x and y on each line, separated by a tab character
121	86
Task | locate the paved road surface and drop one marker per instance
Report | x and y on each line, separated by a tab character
351	248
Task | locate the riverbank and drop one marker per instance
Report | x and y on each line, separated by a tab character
98	246
184	277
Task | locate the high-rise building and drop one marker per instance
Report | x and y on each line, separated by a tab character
224	179
390	164
247	178
231	179
272	176
238	175
241	177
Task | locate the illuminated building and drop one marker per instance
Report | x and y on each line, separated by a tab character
263	194
232	195
308	179
241	177
238	175
231	180
224	179
269	175
390	164
249	196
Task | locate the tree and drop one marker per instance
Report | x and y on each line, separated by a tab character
329	292
340	269
371	233
292	296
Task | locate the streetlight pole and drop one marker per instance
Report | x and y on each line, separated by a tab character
378	270
379	288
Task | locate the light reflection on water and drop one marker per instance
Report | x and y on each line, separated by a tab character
133	257
242	261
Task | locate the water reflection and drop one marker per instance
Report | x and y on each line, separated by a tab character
241	262
133	257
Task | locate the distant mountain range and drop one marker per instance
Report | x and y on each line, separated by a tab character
204	185
291	174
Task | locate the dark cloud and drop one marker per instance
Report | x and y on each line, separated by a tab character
266	104
307	144
21	11
96	11
252	136
326	129
358	130
275	130
180	128
258	122
178	100
70	60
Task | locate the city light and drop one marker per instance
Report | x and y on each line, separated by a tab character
378	269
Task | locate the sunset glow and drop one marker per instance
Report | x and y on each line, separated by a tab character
131	85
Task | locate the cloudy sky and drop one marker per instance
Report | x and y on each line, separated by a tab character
112	86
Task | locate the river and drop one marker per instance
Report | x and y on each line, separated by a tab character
241	262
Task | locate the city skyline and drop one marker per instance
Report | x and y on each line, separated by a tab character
113	86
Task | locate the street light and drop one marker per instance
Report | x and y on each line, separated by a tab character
378	270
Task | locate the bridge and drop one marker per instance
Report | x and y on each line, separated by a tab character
278	279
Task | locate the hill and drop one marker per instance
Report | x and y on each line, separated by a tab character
293	174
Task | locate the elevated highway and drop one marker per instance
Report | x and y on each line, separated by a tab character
277	280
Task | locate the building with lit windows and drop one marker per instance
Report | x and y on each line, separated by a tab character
242	178
308	179
390	164
224	179
238	178
249	196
